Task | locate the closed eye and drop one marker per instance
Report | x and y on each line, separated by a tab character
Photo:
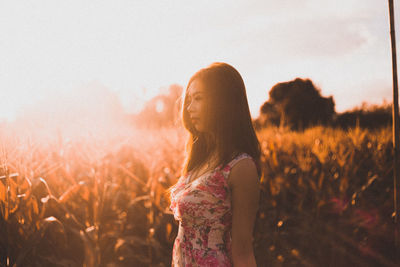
197	97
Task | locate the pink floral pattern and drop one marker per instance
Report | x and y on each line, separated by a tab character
203	209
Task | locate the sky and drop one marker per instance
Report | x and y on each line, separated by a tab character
137	48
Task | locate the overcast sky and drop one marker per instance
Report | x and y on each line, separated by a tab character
136	47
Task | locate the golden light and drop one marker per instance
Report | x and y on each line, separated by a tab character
160	106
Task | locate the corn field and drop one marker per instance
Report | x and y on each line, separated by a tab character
99	200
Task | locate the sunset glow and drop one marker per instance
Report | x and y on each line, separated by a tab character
107	160
136	49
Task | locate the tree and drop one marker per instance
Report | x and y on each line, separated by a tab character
297	104
162	110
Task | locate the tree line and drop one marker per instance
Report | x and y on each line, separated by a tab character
296	104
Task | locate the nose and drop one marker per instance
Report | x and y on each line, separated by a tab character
189	108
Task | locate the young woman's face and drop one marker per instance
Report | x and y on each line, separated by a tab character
196	99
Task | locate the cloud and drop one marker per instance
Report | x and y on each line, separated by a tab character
305	39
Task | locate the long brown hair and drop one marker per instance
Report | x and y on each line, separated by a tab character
228	118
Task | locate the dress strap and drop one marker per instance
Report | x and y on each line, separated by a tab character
236	160
228	167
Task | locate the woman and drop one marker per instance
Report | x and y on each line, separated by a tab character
216	198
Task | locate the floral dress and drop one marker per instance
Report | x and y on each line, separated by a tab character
203	209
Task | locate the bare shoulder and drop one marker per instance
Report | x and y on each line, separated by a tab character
243	173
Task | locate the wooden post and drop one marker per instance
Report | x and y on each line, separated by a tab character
395	119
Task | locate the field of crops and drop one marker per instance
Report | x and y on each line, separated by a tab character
98	199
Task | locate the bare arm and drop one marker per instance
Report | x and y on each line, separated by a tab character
245	187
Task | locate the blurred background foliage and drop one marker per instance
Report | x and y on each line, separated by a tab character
327	187
296	104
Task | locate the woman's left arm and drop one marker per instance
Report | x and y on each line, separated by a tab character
245	188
